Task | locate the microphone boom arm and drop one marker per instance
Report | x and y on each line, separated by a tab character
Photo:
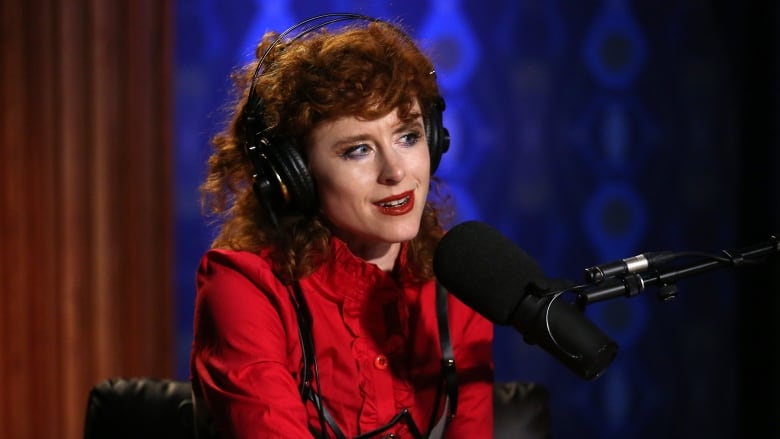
632	284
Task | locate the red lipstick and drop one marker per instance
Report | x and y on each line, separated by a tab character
395	205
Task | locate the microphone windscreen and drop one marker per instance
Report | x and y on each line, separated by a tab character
485	270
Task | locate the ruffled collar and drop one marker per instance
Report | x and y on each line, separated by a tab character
346	276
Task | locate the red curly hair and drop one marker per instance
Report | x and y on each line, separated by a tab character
364	71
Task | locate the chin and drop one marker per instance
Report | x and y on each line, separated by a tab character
403	234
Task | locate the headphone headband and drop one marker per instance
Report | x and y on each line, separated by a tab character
333	17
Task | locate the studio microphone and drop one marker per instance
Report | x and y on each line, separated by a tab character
634	264
487	272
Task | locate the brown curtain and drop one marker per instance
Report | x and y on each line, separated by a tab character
85	204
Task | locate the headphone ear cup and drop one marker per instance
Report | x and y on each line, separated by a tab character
438	136
295	184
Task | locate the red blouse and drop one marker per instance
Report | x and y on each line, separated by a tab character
376	342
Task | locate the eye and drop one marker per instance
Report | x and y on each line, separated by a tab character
356	152
410	138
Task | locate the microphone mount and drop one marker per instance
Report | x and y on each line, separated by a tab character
666	277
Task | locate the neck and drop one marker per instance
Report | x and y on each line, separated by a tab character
383	255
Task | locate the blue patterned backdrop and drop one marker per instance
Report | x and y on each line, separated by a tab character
587	131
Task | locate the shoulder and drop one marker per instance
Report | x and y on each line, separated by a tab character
237	260
230	272
466	322
219	263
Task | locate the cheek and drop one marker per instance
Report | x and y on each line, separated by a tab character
337	192
422	167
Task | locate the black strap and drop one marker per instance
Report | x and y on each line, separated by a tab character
305	334
328	418
305	337
450	377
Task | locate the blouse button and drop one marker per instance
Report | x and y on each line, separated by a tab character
380	362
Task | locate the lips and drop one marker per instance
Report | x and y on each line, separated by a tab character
400	204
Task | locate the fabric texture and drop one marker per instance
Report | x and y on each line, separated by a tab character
376	342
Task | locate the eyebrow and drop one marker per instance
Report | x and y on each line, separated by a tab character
402	127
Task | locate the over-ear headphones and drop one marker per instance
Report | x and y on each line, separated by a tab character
282	180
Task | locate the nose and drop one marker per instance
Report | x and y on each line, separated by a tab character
392	169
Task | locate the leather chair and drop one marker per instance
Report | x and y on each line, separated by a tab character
137	408
149	408
521	410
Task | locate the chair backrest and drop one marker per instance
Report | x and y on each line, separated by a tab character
521	410
135	408
149	408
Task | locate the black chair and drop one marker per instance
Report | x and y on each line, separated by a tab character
136	408
521	410
149	408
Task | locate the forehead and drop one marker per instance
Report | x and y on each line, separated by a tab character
392	117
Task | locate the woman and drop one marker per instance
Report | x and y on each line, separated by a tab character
316	309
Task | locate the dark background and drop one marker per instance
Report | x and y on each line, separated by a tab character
587	131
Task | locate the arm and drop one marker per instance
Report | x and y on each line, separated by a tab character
242	349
